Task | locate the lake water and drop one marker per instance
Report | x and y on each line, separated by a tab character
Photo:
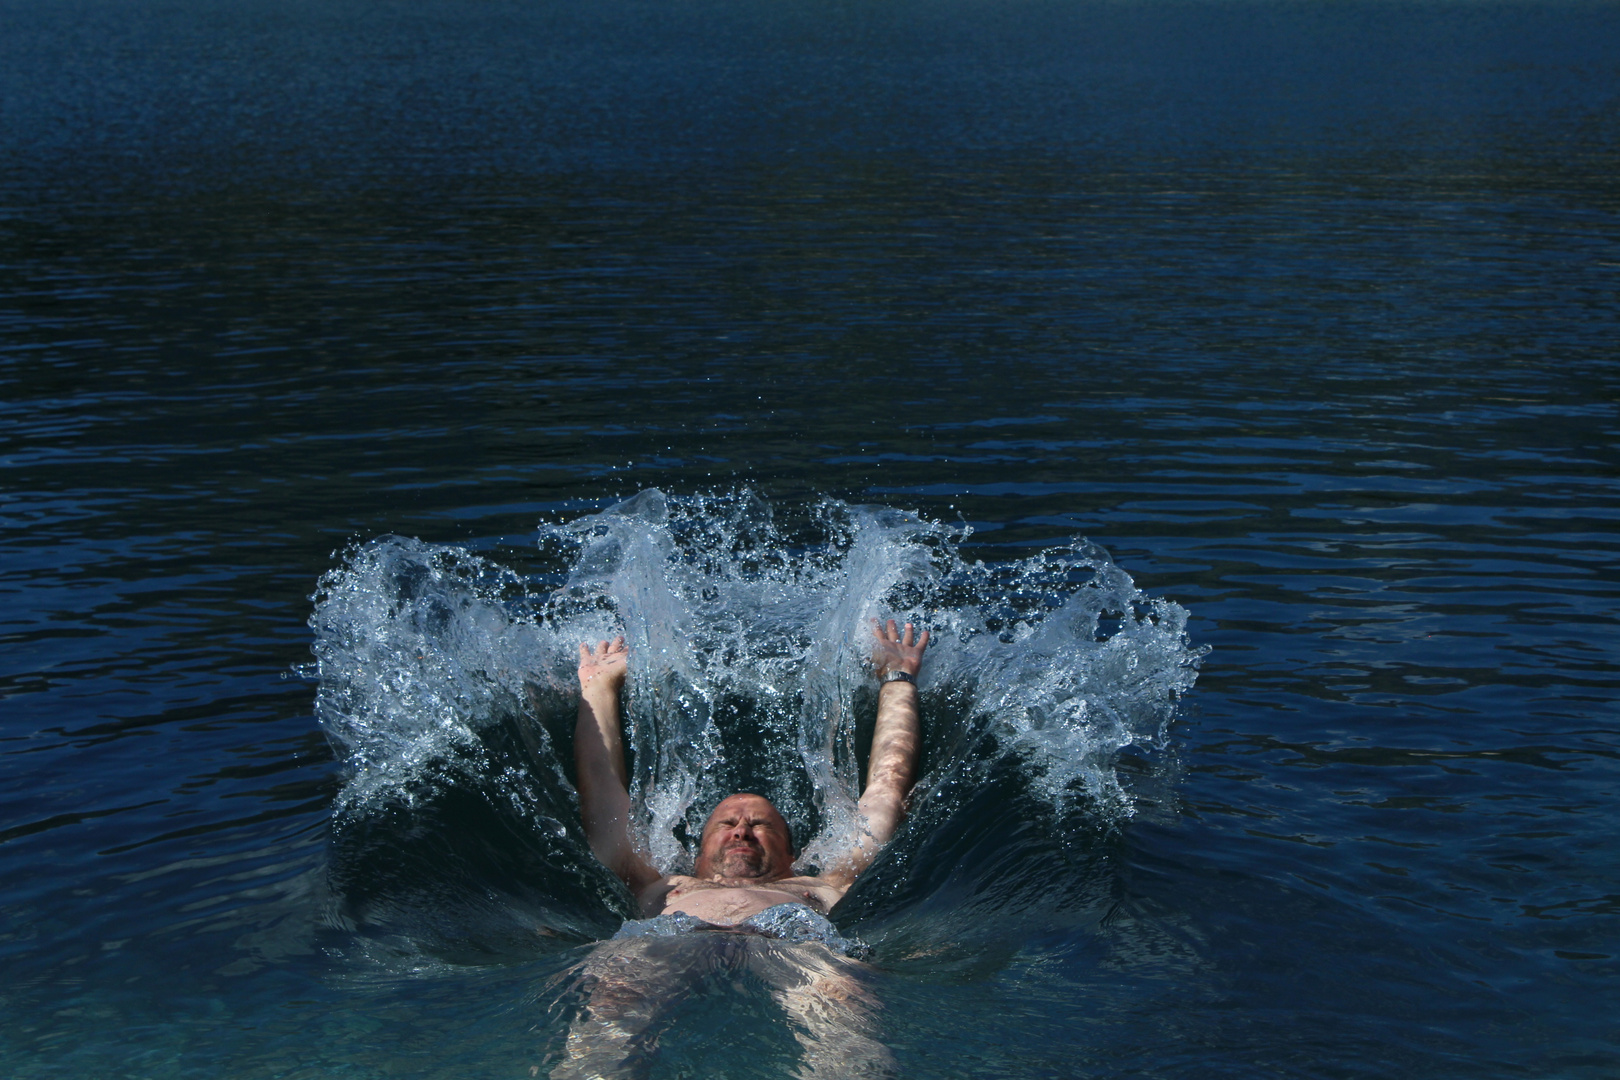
351	327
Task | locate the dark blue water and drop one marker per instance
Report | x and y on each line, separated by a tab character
1305	313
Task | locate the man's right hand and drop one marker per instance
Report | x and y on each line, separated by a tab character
608	662
604	789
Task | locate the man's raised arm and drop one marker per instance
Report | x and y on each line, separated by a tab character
604	788
895	740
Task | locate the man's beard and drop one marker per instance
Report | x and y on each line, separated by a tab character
742	862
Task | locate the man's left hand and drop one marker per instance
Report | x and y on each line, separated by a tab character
894	650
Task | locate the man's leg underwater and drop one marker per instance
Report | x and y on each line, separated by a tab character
630	986
831	1006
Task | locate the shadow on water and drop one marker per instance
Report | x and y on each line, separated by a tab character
974	878
466	866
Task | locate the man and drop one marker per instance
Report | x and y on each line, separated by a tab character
742	892
745	858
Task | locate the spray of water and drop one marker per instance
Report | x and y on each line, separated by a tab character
748	639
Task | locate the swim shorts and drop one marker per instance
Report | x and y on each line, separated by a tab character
784	922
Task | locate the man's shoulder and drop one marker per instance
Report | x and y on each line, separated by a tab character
667	883
676	881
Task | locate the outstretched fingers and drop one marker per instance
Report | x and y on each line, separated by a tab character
608	657
890	632
894	648
908	640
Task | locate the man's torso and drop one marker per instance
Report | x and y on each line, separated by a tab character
729	902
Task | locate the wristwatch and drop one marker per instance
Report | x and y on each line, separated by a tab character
899	676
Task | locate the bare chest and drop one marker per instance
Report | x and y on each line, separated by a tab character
729	904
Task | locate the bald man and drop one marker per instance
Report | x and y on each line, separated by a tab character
744	865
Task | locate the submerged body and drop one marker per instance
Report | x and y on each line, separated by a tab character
784	922
632	986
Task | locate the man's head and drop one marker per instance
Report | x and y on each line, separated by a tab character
745	838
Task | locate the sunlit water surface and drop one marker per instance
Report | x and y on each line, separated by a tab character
1232	385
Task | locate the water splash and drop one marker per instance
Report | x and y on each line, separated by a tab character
419	651
748	638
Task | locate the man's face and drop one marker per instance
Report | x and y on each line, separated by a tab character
745	838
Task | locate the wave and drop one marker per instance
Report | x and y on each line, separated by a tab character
446	682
